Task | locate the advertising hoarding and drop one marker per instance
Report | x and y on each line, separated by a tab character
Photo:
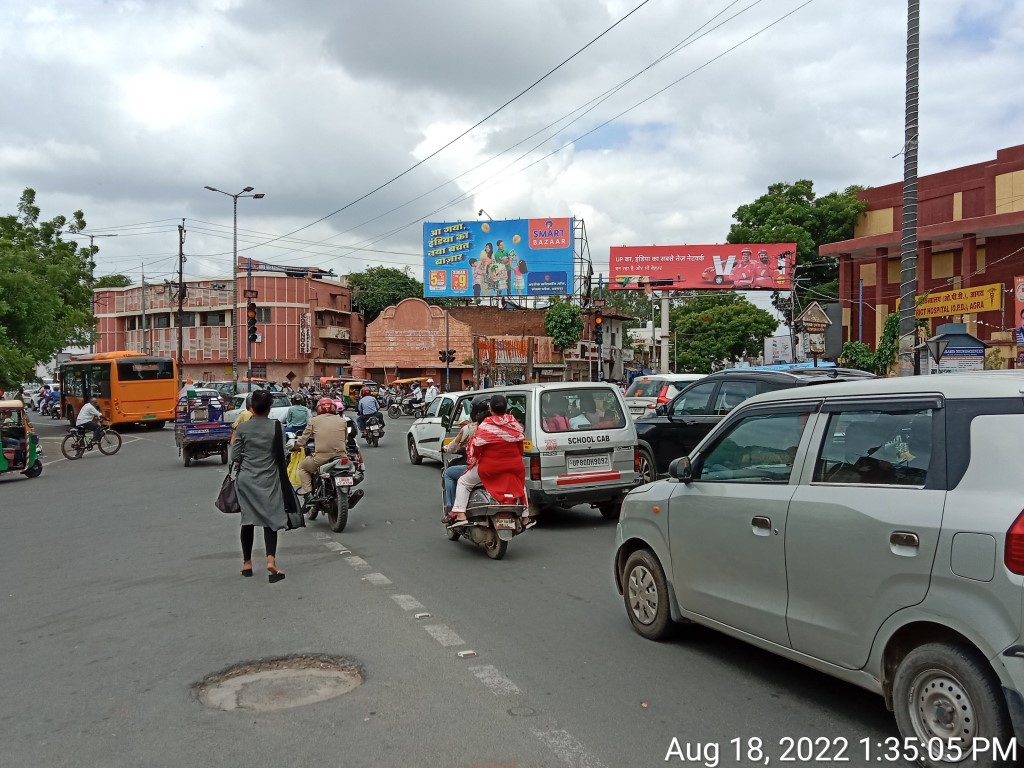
743	266
1018	309
513	257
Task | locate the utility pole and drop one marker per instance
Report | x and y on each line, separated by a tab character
908	246
143	295
181	299
447	357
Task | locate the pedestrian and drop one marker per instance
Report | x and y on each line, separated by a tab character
257	457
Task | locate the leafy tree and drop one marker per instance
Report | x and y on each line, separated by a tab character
716	327
564	324
45	286
857	354
792	213
113	281
380	287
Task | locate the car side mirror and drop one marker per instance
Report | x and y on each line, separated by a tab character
681	469
661	410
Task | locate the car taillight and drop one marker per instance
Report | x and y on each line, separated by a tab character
1013	551
636	461
535	467
662	398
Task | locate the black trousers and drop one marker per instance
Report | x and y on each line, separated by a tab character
249	535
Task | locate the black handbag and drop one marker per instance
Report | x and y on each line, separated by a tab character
227	499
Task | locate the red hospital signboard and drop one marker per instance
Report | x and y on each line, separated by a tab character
744	266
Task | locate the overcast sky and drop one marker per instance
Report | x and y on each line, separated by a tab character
127	109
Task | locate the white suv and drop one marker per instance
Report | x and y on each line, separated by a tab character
646	393
872	530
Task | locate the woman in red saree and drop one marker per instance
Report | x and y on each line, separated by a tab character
495	458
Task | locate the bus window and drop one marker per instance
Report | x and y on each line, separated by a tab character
145	371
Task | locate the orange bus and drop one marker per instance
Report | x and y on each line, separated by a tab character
132	388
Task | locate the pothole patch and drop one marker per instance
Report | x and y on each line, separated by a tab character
269	685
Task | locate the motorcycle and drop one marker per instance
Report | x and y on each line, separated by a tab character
407	407
492	523
373	429
334	489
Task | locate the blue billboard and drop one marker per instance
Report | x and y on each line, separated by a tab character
514	257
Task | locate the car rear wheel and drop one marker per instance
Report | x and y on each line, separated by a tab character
948	694
645	592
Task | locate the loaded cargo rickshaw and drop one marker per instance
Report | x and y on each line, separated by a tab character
199	427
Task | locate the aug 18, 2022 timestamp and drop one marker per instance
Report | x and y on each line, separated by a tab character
808	750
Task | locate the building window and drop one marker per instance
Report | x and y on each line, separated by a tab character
259	370
321	322
131	323
162	320
188	320
263	315
213	318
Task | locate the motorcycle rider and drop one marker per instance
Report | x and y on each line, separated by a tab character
333	436
480	411
298	416
90	418
367	405
495	459
416	396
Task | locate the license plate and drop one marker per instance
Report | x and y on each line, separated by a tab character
375	429
588	463
505	522
341	481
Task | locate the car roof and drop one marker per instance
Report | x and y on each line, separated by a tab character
954	386
670	377
794	377
553	386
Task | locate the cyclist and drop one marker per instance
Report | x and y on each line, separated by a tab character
91	418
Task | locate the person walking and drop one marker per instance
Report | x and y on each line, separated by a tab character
261	477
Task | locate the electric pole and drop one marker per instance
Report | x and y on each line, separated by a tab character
181	300
908	246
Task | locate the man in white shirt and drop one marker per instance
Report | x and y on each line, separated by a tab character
90	418
431	392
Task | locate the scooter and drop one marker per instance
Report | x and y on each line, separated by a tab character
373	428
492	523
334	492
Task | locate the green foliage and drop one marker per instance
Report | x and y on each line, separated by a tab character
857	354
113	281
716	327
45	287
791	213
564	324
380	287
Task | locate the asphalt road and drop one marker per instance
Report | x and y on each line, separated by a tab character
121	591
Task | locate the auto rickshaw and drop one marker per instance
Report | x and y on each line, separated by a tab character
350	391
199	427
21	451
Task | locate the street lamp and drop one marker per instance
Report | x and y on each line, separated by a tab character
234	278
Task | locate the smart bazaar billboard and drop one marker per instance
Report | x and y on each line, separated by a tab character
514	257
745	266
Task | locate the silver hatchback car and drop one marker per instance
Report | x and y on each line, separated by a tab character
871	530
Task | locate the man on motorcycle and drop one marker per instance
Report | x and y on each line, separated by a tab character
367	405
495	459
297	417
90	418
333	436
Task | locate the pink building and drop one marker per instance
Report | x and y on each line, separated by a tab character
307	328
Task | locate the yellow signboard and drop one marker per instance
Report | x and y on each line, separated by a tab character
963	301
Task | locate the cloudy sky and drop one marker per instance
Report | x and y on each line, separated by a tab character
126	109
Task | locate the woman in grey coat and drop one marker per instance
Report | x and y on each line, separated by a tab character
260	480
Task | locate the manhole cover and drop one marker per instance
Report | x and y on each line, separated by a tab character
281	683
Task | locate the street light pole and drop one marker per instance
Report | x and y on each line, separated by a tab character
234	280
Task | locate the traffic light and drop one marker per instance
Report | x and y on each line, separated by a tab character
446	355
250	313
442	356
451	355
598	326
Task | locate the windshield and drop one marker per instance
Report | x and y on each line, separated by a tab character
281	401
583	408
644	388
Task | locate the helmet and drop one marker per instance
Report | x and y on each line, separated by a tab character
297	399
326	405
364	391
430	381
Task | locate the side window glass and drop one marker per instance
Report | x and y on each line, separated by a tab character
444	411
462	411
432	409
883	447
731	394
517	407
693	401
758	449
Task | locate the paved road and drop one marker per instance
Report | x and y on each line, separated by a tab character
121	591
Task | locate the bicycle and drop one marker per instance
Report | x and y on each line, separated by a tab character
76	444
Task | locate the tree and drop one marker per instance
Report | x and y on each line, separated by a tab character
791	213
45	287
113	281
380	287
857	354
716	327
564	323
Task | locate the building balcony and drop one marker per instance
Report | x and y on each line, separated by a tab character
336	332
332	360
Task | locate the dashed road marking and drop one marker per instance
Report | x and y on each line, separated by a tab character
495	679
377	579
568	749
444	635
408	602
334	545
357	562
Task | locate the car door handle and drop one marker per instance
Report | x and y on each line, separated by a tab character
761	525
904	539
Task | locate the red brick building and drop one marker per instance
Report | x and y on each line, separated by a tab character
307	326
970	233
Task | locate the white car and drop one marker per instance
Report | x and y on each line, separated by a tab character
278	410
427	433
646	393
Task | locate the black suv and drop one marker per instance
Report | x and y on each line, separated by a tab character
678	426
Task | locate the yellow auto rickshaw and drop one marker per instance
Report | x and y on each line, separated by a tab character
350	391
21	451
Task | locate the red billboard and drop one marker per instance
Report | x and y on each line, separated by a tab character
744	266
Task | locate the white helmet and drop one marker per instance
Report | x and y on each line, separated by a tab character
430	381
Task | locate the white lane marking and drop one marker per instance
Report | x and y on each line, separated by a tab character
321	536
357	562
377	579
568	749
495	679
444	635
408	602
333	545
